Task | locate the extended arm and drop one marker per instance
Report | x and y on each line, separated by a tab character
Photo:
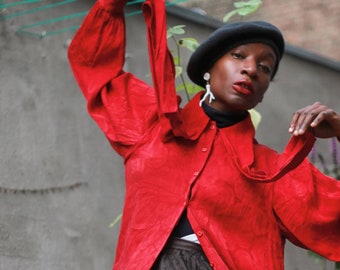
307	205
123	106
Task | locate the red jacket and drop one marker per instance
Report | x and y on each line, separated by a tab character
242	198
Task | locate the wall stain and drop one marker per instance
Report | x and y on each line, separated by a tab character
42	191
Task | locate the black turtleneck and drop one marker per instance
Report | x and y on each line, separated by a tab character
222	120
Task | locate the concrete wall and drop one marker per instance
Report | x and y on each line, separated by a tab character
311	24
61	183
47	140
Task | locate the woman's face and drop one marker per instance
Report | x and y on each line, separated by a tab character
240	78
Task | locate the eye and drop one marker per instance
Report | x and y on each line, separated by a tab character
265	68
236	55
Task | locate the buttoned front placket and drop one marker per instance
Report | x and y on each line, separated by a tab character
202	154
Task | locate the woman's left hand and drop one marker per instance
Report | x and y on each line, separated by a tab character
321	120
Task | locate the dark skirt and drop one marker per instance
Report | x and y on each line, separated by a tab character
179	254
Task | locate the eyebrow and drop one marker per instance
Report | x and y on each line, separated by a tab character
271	54
267	53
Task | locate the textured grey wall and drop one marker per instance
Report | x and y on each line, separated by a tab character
48	141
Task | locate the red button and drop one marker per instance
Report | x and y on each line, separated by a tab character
199	233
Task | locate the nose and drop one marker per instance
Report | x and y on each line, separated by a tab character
249	68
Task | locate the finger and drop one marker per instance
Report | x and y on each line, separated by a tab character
292	124
309	117
298	118
325	115
306	116
295	119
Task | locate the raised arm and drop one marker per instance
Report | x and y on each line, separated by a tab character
123	106
97	51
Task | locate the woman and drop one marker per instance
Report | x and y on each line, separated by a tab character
201	193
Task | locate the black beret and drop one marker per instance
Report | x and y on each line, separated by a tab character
228	37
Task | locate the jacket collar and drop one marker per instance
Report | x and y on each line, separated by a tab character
256	162
188	122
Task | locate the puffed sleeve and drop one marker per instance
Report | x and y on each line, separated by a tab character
123	106
307	205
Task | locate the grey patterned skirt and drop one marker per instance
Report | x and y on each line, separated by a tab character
179	254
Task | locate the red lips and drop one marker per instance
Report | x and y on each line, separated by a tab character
244	87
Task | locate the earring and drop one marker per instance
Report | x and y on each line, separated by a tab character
208	92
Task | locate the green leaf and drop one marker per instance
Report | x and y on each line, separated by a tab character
239	4
250	3
189	43
190	87
177	60
229	15
179	70
176	30
117	219
182	86
243	8
255	117
255	2
193	89
247	10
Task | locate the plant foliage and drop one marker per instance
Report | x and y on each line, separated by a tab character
243	8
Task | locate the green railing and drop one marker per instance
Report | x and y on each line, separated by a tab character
28	29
